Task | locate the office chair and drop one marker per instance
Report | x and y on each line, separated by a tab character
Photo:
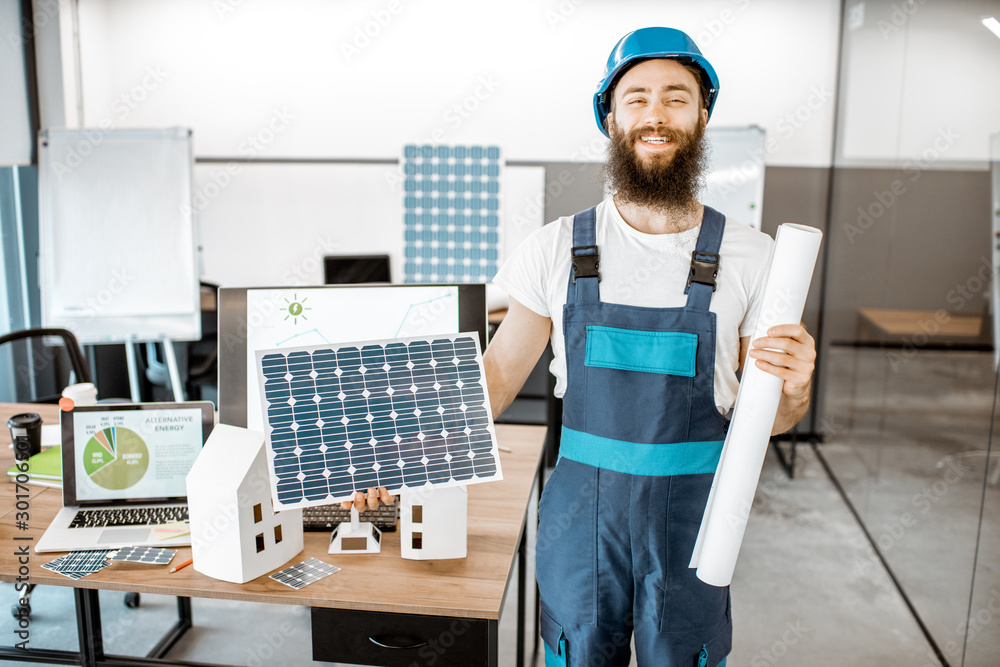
45	361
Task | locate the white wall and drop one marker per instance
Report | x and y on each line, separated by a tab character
920	84
519	73
271	224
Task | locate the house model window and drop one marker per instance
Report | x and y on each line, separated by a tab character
260	542
257	515
418	540
277	534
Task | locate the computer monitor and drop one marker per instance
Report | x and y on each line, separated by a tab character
258	318
352	269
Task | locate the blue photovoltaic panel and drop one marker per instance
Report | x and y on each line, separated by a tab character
401	414
451	213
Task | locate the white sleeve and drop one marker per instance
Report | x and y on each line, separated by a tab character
754	304
526	272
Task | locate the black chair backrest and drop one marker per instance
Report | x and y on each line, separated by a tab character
43	363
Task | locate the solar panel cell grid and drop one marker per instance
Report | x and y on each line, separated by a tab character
399	413
451	213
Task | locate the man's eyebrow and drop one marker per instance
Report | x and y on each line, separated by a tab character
665	88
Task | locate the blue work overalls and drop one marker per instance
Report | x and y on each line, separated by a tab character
640	443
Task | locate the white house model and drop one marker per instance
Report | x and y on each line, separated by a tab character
433	522
235	535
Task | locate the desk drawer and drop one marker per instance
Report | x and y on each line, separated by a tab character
398	640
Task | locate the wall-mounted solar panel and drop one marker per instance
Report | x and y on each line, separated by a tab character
402	413
451	213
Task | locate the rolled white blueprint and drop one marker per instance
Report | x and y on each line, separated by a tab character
735	483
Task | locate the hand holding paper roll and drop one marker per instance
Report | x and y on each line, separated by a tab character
795	250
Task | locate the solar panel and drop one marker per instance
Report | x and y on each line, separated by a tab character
451	213
78	564
302	574
150	555
400	413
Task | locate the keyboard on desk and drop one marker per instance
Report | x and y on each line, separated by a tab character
326	517
127	516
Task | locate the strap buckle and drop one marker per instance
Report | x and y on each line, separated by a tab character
704	269
586	265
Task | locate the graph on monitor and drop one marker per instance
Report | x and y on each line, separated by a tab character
296	317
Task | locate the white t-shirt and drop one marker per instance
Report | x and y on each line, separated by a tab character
639	269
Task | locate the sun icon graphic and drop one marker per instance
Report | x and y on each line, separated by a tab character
296	309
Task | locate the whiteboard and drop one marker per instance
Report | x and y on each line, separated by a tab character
117	242
735	181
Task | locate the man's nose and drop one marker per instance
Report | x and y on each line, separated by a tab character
656	114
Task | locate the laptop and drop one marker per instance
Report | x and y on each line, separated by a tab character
124	467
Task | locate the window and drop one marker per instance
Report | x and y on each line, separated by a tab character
260	542
277	534
418	514
257	514
418	541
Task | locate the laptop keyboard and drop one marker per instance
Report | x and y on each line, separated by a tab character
128	516
326	517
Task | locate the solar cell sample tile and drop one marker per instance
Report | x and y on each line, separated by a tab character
400	413
149	555
302	574
451	213
78	564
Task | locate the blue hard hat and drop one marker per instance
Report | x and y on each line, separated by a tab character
644	44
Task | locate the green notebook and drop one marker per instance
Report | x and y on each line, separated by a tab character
44	465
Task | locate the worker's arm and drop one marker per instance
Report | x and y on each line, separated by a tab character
791	357
513	352
511	355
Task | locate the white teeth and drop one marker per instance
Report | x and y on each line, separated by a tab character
655	140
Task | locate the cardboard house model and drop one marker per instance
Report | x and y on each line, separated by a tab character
235	535
433	522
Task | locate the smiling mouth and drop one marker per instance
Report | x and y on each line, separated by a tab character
654	140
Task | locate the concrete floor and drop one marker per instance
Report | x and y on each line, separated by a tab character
808	590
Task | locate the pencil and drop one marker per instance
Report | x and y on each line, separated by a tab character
184	564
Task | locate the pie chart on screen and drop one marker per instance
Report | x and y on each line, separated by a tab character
115	458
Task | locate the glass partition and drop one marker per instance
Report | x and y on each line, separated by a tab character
982	641
908	366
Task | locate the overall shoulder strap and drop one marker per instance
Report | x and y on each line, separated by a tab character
584	273
705	260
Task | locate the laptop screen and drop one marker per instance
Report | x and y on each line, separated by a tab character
137	452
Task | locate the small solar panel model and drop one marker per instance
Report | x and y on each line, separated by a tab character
409	414
235	535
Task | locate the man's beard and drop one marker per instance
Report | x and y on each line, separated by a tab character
658	182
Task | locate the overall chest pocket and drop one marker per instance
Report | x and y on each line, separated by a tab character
659	352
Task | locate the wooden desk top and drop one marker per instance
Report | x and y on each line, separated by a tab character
473	587
914	322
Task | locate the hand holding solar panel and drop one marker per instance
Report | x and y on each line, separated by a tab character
369	500
402	413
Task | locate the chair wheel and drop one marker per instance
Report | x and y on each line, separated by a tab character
131	600
17	611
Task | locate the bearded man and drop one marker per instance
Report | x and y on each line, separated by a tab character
649	300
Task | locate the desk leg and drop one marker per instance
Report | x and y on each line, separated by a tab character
88	624
182	625
493	642
521	577
538	599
